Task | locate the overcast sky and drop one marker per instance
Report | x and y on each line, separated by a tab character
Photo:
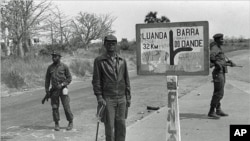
232	18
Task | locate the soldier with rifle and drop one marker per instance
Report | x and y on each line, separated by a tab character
59	76
219	61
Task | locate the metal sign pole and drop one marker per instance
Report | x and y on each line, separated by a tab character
173	119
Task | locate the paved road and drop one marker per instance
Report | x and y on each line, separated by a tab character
25	112
194	106
23	117
194	123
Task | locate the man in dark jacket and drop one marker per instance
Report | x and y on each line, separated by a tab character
59	76
112	88
219	61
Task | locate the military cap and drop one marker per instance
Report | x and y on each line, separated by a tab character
56	53
218	35
110	38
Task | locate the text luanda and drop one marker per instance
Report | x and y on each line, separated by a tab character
154	35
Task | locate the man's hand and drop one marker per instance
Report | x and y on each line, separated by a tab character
101	101
128	103
59	86
218	65
231	63
47	96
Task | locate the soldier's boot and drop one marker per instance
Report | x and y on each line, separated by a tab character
212	113
57	127
220	112
70	126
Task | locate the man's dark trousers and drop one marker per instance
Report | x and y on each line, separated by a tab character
55	105
219	80
115	126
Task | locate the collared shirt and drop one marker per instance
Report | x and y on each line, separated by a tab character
114	62
57	74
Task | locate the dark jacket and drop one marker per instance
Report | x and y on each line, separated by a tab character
57	74
109	82
217	58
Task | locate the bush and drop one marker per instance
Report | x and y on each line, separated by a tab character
44	52
28	71
13	79
124	45
48	49
236	46
132	46
81	67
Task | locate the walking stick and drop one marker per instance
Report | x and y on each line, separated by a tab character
97	129
99	115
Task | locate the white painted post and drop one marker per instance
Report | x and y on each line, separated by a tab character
173	119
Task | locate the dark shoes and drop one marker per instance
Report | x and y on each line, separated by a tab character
213	115
70	126
217	114
221	113
57	127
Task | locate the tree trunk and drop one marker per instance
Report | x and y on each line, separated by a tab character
7	47
7	53
26	44
20	49
26	47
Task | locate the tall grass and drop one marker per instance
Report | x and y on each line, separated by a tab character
27	72
80	67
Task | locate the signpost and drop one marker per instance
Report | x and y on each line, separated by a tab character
173	49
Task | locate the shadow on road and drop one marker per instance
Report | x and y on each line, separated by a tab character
192	115
38	127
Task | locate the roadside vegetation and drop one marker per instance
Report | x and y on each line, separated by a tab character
232	45
23	73
31	30
29	72
19	74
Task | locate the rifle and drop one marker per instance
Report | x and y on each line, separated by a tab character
46	97
237	66
227	64
99	115
228	60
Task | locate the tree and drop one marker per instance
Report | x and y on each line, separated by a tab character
151	17
89	27
241	38
124	44
22	19
60	24
58	27
164	19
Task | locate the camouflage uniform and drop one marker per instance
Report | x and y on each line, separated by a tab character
58	74
217	57
219	62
